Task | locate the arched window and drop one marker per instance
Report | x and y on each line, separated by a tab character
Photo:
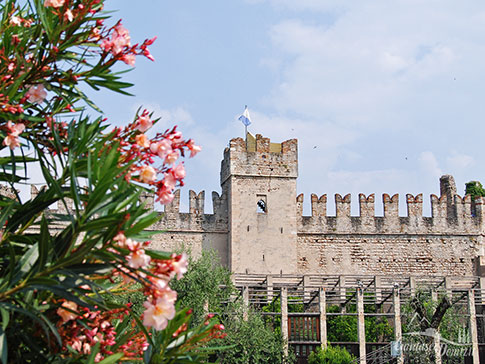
262	207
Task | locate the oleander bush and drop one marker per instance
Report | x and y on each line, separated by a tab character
60	274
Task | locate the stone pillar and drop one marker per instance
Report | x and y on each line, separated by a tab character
361	325
284	318
245	296
473	326
269	289
396	302
323	317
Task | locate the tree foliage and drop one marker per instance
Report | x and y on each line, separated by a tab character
331	355
205	286
474	189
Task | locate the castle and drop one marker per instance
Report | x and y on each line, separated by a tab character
258	227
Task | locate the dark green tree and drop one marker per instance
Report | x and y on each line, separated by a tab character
474	189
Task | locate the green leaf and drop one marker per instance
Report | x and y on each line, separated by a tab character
26	262
111	359
44	244
92	355
5	318
3	347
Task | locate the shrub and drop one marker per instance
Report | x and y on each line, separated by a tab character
331	355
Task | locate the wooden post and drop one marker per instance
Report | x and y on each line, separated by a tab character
378	289
396	301
323	317
473	326
482	290
412	286
361	325
436	334
284	318
306	289
342	291
269	289
245	296
448	287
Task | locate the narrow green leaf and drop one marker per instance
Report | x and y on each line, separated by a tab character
111	359
44	244
3	347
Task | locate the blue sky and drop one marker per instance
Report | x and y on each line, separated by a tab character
383	96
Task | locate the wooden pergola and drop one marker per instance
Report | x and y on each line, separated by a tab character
308	329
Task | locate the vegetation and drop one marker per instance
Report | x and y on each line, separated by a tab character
423	314
474	189
250	340
331	355
343	328
205	286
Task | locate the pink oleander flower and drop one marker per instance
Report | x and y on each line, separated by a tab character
165	196
160	284
162	148
54	3
147	54
143	123
194	149
65	314
120	39
148	174
36	94
172	157
138	259
120	238
180	265
129	59
68	15
157	315
15	20
142	140
11	141
169	181
14	130
179	172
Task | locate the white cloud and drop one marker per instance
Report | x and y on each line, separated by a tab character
458	161
377	64
429	165
168	117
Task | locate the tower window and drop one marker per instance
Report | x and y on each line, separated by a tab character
262	207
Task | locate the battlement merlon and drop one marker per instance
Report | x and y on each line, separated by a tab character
258	157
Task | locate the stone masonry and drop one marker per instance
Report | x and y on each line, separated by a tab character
258	227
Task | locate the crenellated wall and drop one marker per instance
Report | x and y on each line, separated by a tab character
279	239
450	242
455	218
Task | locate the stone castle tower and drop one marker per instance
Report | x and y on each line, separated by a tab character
259	179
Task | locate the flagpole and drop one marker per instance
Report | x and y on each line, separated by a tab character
245	127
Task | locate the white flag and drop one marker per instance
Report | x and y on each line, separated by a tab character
245	118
